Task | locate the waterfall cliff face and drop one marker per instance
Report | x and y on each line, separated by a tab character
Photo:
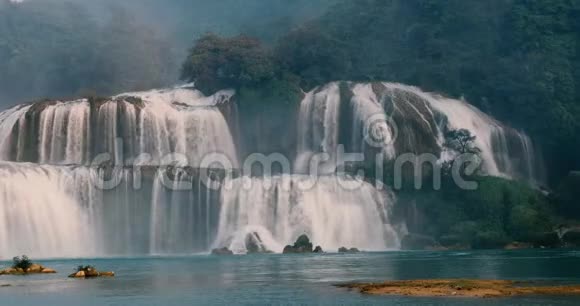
55	201
146	126
395	119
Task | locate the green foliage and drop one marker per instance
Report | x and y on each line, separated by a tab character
87	268
498	211
21	262
461	141
312	55
216	63
490	239
568	195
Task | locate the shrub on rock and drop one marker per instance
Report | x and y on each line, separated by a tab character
23	265
89	272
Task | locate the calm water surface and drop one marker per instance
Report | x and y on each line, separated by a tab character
285	279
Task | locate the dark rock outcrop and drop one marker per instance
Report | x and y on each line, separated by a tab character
572	237
546	240
302	245
222	251
351	250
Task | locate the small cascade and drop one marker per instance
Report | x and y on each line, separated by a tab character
184	214
318	126
63	134
8	120
333	211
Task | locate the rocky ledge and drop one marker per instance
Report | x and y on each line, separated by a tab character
302	245
90	272
461	288
33	269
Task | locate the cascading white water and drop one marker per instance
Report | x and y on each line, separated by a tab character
56	211
157	122
71	216
8	119
410	121
491	136
40	213
183	215
63	131
333	211
371	118
318	126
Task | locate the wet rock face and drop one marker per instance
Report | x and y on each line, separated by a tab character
254	244
302	245
572	237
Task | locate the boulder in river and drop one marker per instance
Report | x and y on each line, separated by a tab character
222	251
351	250
90	272
302	245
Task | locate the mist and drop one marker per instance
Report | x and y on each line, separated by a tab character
69	48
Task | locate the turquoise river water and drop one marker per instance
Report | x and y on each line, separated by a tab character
286	279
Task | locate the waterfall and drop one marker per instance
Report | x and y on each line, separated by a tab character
54	203
156	123
183	214
333	211
318	125
40	213
396	119
76	211
63	132
8	120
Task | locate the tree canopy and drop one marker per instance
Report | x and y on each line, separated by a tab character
216	63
